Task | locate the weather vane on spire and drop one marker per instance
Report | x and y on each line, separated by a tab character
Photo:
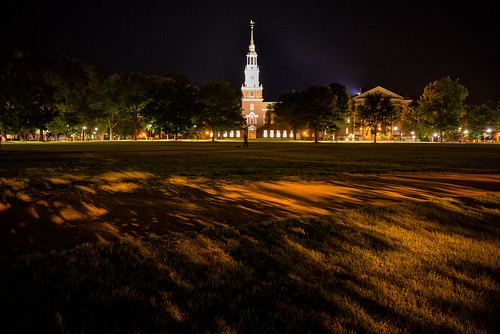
252	46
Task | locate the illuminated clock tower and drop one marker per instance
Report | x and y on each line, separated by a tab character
252	91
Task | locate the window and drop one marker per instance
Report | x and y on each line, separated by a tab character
271	133
252	93
252	106
238	134
284	133
278	134
251	118
265	133
231	134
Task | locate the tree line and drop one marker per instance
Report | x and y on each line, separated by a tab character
65	97
440	110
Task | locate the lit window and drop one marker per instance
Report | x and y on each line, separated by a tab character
231	134
265	133
225	134
271	133
284	133
238	135
291	134
278	134
251	118
347	131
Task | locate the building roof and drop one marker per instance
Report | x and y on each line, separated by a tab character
380	90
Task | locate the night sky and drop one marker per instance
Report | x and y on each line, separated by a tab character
400	45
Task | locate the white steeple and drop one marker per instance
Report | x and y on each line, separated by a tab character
251	69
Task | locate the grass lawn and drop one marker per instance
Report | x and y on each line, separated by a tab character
429	266
226	162
412	267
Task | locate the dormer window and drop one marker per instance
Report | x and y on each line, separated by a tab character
252	93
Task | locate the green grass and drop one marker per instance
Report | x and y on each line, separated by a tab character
412	267
53	169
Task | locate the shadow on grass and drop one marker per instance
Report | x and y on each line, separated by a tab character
352	271
124	207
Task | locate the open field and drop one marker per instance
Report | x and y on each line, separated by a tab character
380	242
412	267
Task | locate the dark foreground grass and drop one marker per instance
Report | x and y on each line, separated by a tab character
412	267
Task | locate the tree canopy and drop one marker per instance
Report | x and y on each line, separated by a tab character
376	114
220	107
318	108
442	105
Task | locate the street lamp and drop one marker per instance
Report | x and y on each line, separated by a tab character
489	132
83	132
394	134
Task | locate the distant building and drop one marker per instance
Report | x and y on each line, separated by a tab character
354	130
258	114
254	109
251	90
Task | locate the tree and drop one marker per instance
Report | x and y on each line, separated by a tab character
376	114
317	105
316	109
478	119
129	93
32	93
9	117
287	112
442	105
107	100
412	120
77	97
219	106
173	104
342	107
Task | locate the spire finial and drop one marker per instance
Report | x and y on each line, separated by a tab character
252	46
